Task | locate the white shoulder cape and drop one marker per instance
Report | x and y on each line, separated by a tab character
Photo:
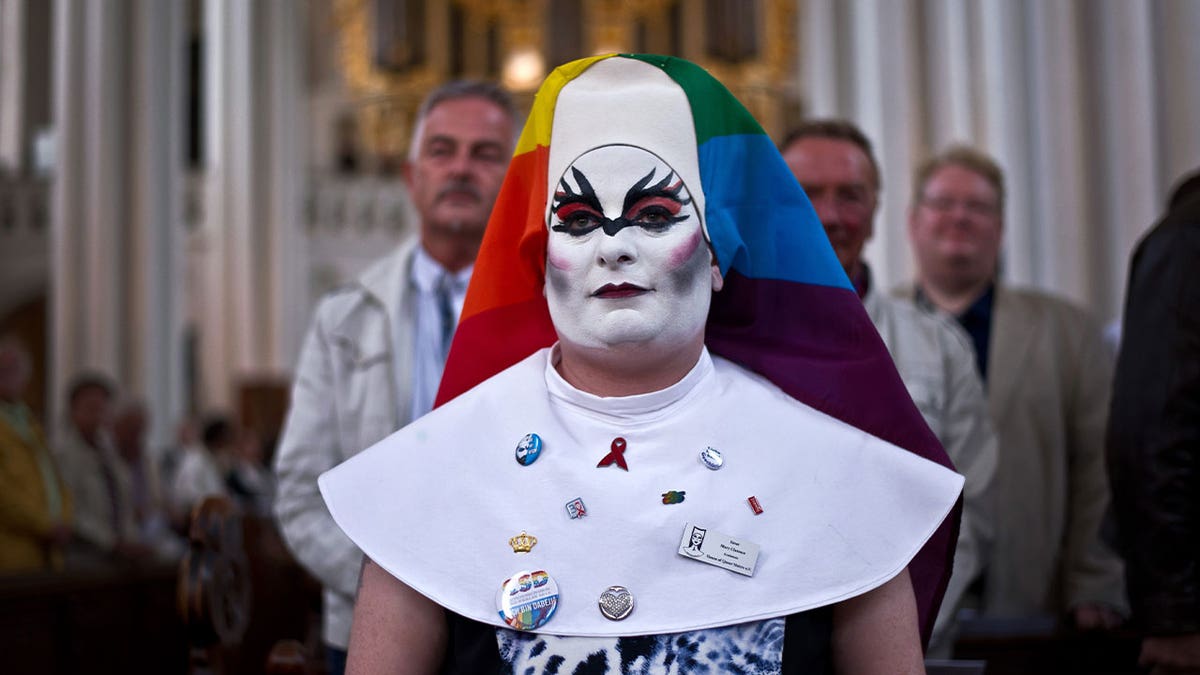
436	502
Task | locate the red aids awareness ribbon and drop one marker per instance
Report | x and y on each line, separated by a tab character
617	455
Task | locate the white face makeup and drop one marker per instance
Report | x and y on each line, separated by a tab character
627	261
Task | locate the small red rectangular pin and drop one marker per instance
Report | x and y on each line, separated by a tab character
755	505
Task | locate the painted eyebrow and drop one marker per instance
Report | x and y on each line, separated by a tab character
586	195
639	191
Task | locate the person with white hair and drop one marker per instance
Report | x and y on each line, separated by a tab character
376	346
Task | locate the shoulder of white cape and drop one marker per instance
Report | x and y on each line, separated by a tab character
436	503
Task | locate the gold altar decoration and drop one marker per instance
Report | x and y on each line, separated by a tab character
392	52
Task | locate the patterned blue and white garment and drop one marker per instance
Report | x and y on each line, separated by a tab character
754	648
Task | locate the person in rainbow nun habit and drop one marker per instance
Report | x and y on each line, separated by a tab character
659	352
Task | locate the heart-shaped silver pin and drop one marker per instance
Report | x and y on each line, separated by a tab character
616	603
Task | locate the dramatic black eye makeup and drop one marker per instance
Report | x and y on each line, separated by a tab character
654	208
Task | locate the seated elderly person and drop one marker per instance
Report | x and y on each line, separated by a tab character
601	492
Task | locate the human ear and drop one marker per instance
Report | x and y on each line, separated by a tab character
406	173
718	281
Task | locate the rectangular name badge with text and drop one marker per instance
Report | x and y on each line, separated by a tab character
717	548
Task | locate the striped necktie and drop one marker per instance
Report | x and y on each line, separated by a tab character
444	292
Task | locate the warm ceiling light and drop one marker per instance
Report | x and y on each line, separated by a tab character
523	69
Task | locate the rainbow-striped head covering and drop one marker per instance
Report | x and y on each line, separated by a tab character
787	310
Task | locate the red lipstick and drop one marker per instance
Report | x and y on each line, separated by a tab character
618	291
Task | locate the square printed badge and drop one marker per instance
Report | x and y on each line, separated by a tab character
717	548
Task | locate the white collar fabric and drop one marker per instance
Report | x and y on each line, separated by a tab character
624	409
436	503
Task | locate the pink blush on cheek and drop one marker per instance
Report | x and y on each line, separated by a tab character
557	262
681	255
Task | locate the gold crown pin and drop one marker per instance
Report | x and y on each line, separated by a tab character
522	543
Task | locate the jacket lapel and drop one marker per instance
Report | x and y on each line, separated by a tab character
384	331
386	280
1011	339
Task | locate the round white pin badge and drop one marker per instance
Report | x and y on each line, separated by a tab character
527	599
711	457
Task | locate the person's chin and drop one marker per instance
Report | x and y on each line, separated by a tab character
460	223
632	337
618	333
962	252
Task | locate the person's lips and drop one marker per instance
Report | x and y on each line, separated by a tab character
610	291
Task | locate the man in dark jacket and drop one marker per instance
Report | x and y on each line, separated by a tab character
1154	436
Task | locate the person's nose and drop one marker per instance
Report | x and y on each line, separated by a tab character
961	214
827	209
461	164
617	249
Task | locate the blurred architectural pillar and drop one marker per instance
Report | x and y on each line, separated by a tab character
24	90
287	170
12	82
116	219
1090	106
227	316
251	321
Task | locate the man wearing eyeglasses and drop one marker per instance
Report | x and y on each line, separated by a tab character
1047	374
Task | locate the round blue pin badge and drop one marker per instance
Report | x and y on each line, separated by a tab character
529	449
527	599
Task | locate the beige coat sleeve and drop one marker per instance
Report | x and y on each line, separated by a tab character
970	441
309	447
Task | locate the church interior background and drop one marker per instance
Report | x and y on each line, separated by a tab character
180	180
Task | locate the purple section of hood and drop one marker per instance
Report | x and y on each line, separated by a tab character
818	345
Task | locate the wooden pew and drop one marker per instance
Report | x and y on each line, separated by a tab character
110	620
1044	646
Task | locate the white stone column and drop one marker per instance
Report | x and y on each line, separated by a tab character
949	51
1056	176
68	322
63	208
12	82
228	349
1128	179
115	226
893	123
1005	129
287	162
102	225
818	56
255	300
864	64
155	215
1090	106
